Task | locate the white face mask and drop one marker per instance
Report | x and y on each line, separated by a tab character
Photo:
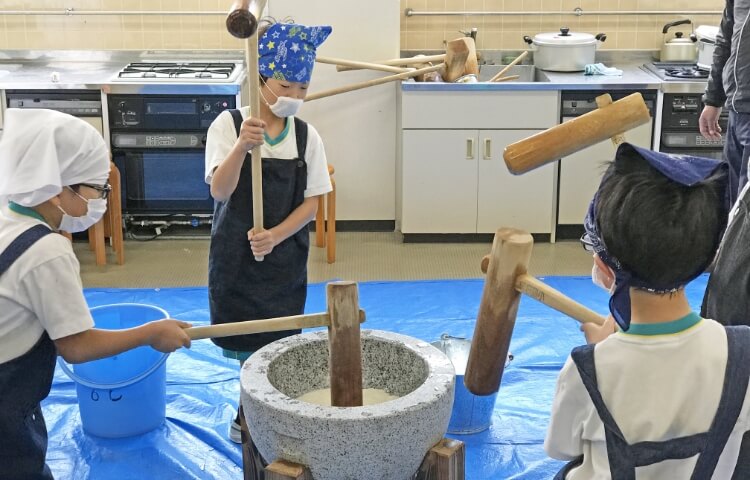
95	209
600	280
284	106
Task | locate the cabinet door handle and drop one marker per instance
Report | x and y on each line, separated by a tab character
469	149
488	149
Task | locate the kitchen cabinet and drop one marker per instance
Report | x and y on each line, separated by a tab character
453	177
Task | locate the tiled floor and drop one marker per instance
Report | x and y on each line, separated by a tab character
360	256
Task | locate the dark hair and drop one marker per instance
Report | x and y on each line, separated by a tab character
663	232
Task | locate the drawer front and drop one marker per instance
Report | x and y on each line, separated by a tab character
511	109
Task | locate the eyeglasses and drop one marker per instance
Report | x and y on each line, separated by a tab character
102	189
586	243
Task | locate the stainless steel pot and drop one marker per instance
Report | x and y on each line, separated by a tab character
678	48
706	42
564	51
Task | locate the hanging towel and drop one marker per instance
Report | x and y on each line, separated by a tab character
600	69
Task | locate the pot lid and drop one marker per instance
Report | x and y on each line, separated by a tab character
707	32
564	37
680	40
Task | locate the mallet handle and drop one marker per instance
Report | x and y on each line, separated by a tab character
395	62
372	83
508	67
542	292
278	324
362	65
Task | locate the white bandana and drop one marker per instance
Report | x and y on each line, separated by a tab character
42	151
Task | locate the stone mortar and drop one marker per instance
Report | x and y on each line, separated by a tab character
385	441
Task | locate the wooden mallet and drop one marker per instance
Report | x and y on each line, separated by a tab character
506	280
607	121
344	345
460	59
242	22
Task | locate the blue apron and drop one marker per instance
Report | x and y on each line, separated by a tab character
240	288
24	382
624	458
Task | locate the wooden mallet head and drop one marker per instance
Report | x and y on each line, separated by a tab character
242	21
574	135
511	252
460	59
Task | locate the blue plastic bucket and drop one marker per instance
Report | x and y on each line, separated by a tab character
471	413
126	394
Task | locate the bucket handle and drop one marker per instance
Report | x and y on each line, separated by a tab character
95	396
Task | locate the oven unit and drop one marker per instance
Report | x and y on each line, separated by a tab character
680	132
158	143
159	114
683	86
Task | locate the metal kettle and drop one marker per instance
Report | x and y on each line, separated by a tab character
678	48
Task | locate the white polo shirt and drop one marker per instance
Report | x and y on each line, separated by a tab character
41	291
222	137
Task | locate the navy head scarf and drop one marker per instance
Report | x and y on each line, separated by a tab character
683	169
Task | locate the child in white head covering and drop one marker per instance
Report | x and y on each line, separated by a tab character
53	173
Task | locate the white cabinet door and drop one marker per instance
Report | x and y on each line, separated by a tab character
439	181
507	200
581	172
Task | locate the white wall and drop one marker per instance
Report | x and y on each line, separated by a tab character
359	128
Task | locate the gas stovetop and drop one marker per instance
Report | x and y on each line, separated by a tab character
167	72
677	71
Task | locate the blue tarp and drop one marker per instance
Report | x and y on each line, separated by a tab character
203	387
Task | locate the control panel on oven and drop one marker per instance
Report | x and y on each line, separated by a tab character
171	113
680	128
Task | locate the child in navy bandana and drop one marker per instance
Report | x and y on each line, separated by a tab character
295	175
666	395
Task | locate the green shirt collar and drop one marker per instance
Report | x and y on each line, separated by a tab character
275	141
666	328
29	212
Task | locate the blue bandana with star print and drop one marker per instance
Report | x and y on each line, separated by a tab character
286	51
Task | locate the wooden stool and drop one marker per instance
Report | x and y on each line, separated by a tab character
110	226
325	220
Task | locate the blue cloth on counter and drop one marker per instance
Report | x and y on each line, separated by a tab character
203	386
600	69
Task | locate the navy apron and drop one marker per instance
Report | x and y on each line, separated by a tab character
240	288
624	458
24	382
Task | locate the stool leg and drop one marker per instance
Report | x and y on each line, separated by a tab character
320	239
101	254
114	206
331	223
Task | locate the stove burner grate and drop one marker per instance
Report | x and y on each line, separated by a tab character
686	72
177	70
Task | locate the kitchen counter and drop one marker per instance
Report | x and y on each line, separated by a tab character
633	77
97	70
630	62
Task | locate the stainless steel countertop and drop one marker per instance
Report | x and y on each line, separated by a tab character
95	70
633	77
630	62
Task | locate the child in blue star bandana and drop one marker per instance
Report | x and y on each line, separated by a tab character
665	396
295	175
